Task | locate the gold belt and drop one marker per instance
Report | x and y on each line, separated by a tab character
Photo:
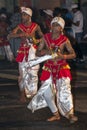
62	67
65	67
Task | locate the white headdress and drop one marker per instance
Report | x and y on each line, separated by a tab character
58	20
26	10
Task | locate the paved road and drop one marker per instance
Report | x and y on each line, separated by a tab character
16	116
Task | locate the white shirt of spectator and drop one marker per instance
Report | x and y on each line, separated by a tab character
78	16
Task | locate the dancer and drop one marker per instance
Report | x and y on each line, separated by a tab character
55	91
27	30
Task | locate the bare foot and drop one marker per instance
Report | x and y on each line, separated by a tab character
73	118
53	118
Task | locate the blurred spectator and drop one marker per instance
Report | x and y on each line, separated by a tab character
77	27
47	19
67	16
4	11
15	20
5	49
77	23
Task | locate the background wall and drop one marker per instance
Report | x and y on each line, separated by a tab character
2	3
83	1
48	4
9	4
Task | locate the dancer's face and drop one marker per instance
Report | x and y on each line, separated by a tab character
25	18
56	28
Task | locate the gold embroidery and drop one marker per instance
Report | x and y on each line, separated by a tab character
65	67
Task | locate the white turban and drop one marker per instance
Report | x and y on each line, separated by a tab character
26	10
58	20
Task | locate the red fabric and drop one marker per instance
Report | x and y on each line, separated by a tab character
55	66
28	29
54	43
24	51
45	75
61	73
64	73
19	57
35	46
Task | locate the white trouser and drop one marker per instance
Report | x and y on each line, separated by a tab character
44	97
63	95
28	79
29	76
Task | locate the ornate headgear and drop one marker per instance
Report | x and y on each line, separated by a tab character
58	20
26	10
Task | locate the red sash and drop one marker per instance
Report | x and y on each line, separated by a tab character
28	29
50	42
54	43
24	50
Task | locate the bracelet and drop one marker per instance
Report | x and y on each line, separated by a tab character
64	56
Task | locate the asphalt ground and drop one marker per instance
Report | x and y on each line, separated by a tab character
16	116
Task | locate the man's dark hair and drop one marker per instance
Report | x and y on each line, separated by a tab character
56	11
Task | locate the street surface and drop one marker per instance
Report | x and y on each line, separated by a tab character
16	116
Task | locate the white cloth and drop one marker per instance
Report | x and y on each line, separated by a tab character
39	101
46	97
41	59
26	10
78	16
64	96
58	20
29	76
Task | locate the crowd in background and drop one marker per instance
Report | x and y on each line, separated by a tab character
8	21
